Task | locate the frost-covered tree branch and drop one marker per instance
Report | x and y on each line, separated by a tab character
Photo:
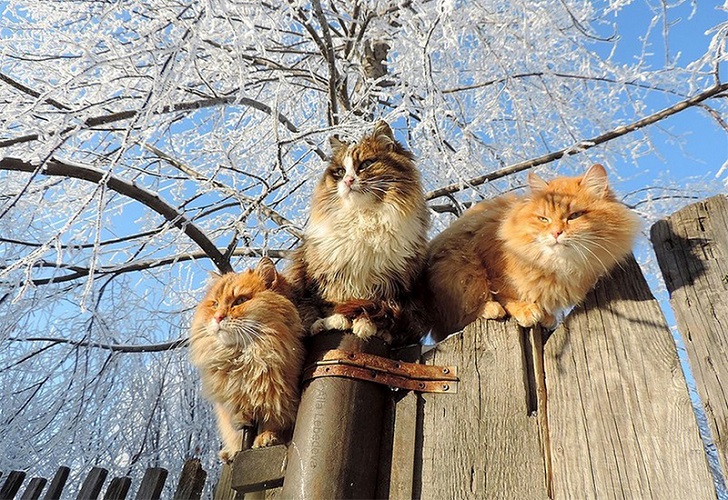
147	144
697	100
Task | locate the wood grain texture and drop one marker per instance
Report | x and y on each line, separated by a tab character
12	484
34	489
55	489
481	442
222	489
259	469
621	424
152	484
93	483
692	250
118	488
191	481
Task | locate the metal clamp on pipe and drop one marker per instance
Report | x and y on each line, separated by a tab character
393	373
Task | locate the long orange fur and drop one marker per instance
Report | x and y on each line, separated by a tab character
246	342
528	256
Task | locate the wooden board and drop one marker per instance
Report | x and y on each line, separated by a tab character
482	442
57	483
152	484
93	483
34	488
620	421
259	469
191	481
692	250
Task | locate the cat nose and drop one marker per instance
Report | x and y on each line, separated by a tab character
349	180
219	316
556	233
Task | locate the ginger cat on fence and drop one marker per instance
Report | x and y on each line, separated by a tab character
528	256
246	342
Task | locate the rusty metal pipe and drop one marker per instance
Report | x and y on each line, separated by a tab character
335	447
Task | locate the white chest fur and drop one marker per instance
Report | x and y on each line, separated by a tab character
360	252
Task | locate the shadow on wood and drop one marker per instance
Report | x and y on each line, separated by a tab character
692	250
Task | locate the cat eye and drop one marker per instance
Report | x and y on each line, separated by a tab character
338	173
366	164
240	300
543	219
575	215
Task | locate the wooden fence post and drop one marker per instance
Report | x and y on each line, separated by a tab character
335	447
620	421
484	441
692	250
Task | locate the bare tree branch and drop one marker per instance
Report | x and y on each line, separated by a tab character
167	346
56	167
581	146
102	120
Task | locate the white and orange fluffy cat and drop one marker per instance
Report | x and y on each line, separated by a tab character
364	246
246	342
528	256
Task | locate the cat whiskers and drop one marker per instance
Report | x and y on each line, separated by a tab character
244	331
584	243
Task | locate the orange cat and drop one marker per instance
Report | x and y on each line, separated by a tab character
528	256
246	342
365	242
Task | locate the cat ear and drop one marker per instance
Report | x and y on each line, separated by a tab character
267	270
383	134
536	183
595	180
336	144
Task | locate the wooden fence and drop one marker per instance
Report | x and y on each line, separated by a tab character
597	409
189	487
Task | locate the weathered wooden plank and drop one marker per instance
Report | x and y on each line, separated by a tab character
223	490
55	489
152	484
259	469
191	481
12	484
397	456
401	477
118	488
34	488
620	421
92	484
482	442
692	250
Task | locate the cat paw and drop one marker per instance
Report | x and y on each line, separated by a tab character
227	456
526	314
492	310
363	328
333	322
265	439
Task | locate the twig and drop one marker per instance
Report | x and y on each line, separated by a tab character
581	146
56	167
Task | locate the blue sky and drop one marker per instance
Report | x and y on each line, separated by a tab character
705	142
